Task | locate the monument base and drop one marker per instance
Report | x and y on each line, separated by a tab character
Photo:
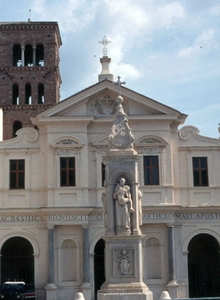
129	291
125	296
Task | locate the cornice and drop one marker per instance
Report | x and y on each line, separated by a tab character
25	107
31	25
51	120
29	68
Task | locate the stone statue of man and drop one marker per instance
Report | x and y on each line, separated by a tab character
123	204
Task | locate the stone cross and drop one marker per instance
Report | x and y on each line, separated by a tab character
119	83
105	42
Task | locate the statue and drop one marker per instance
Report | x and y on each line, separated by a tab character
140	207
123	204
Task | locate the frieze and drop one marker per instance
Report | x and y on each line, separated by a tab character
161	216
157	216
70	152
35	218
67	218
181	216
39	218
150	150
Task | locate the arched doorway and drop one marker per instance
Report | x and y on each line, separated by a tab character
99	265
17	260
203	266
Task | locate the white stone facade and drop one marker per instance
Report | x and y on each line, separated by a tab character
64	223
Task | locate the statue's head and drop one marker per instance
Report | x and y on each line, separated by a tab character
122	181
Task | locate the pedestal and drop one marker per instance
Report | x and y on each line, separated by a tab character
123	268
125	296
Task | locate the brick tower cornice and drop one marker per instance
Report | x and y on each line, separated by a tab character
31	25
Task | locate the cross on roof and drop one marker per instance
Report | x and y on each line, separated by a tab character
105	42
119	83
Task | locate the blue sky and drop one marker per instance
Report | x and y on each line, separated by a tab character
165	49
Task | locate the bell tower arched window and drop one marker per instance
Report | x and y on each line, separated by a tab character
17	55
28	55
40	93
40	55
15	94
28	95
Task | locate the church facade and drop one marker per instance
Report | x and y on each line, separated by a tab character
51	191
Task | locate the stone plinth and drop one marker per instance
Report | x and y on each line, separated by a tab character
126	296
123	265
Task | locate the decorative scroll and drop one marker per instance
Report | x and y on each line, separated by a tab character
30	134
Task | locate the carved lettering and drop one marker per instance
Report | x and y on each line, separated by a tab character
68	218
34	218
181	216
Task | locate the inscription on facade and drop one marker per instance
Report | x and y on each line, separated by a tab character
175	216
68	218
34	218
181	216
83	218
38	218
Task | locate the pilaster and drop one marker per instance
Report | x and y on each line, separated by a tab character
51	287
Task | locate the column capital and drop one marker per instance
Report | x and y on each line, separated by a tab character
50	226
85	226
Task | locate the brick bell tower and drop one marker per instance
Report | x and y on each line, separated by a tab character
29	72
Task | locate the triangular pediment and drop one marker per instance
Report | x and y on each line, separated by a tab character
100	141
98	101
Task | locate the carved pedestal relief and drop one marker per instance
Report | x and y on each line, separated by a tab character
124	262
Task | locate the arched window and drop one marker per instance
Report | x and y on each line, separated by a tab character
28	98
40	93
28	55
17	55
40	55
15	94
16	126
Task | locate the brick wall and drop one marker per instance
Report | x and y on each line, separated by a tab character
32	33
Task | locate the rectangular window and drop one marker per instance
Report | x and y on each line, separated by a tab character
17	173
200	171
151	170
67	171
